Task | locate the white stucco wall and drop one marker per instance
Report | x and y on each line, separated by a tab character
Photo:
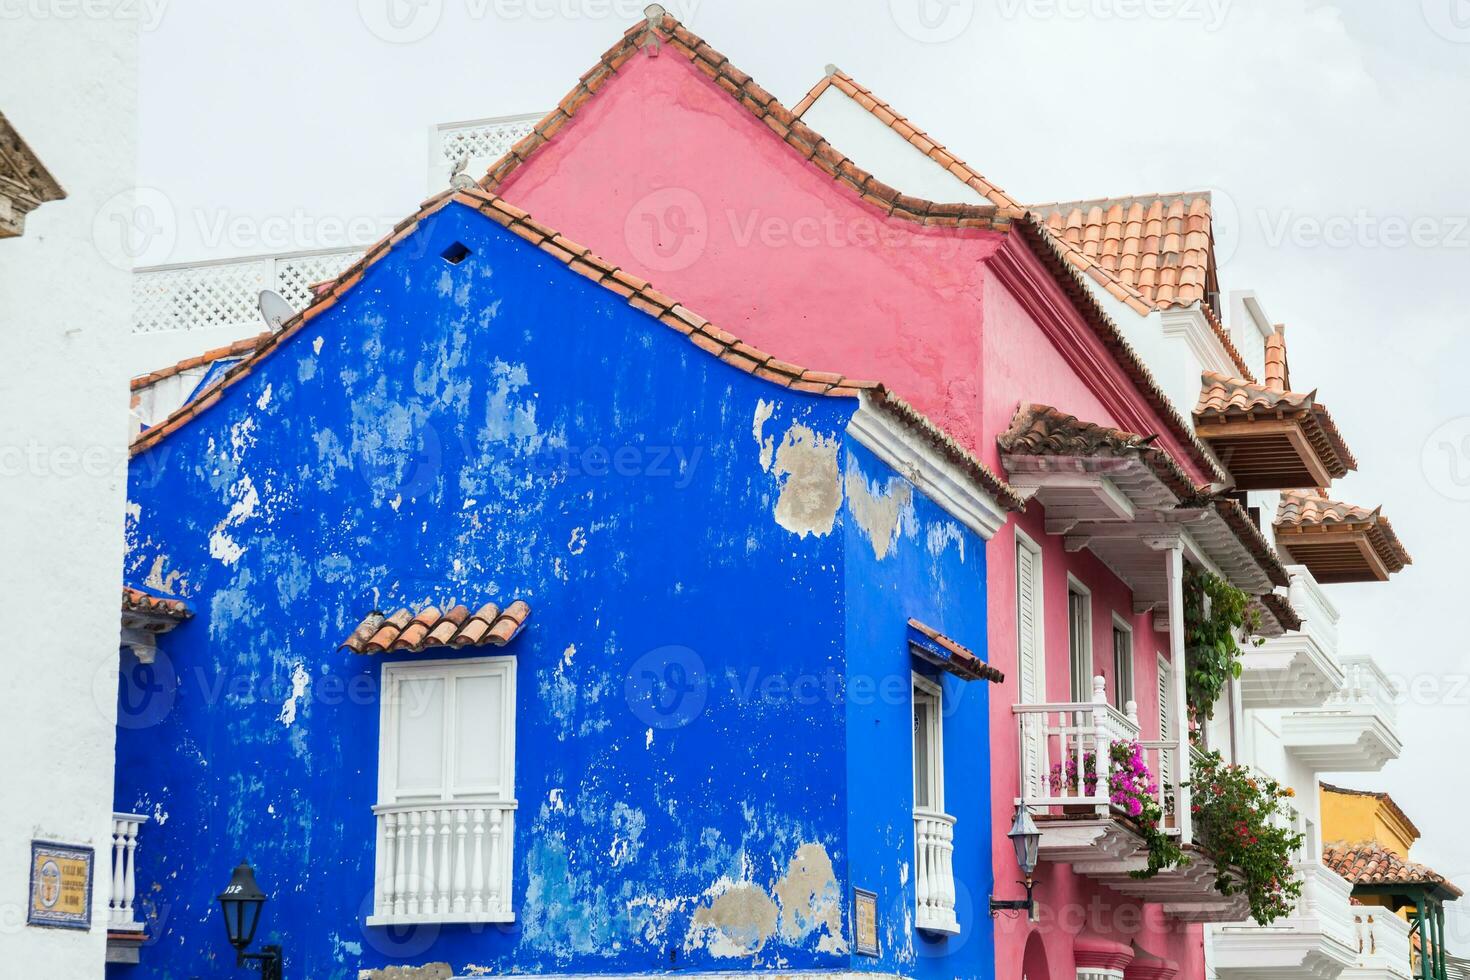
68	86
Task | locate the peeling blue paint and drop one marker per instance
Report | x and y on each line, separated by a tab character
504	428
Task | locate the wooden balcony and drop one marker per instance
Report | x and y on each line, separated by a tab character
1339	542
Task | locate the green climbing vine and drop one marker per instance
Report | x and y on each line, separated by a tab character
1216	617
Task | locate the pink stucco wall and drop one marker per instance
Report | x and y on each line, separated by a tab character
666	175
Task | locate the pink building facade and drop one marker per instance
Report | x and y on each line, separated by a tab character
670	162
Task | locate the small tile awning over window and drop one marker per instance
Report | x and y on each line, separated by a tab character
408	632
1270	438
1276	615
145	603
1371	867
1338	542
932	646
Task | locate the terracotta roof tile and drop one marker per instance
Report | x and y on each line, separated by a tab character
1060	258
410	632
1040	430
1222	397
136	600
665	309
1160	244
1304	509
952	656
1277	614
239	348
916	137
1370	863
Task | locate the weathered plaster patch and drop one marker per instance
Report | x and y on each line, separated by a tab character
577	543
878	511
763	410
738	922
805	467
170	583
221	545
433	971
316	345
299	681
628	825
941	535
810	899
264	399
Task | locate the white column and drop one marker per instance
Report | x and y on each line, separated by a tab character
1174	573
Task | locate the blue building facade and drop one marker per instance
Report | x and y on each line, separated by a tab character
709	733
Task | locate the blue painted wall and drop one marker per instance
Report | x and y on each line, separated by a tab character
504	428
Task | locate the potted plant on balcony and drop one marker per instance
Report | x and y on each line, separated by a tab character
1132	793
1242	820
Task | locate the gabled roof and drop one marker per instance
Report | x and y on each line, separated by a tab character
1138	263
639	294
457	627
920	140
668	34
1372	868
25	183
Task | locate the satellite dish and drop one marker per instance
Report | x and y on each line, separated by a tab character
274	309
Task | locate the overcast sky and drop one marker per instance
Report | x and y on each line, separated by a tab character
1334	135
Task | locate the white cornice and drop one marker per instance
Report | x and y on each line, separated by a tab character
1192	326
916	459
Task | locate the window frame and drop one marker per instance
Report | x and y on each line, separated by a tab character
393	676
1121	697
1081	687
926	689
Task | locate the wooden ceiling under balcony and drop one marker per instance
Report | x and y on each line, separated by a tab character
1269	439
1338	542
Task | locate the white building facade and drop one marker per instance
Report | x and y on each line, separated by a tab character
69	90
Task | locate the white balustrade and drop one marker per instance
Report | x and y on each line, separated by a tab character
443	862
1383	941
1064	736
1366	686
483	141
121	913
934	871
225	294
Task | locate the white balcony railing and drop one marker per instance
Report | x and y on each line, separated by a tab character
1057	741
225	294
1367	686
934	871
121	915
1383	942
443	862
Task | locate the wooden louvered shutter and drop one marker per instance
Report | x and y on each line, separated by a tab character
1029	654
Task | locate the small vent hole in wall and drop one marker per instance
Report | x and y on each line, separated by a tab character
456	253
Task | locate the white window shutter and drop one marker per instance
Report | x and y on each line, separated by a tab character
1028	657
419	738
1166	721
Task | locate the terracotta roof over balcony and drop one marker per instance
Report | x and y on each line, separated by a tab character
1040	430
1270	438
1112	491
239	348
1373	868
408	632
1278	617
1338	542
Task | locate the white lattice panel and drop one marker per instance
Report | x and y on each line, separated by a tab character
295	276
486	141
199	297
226	294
